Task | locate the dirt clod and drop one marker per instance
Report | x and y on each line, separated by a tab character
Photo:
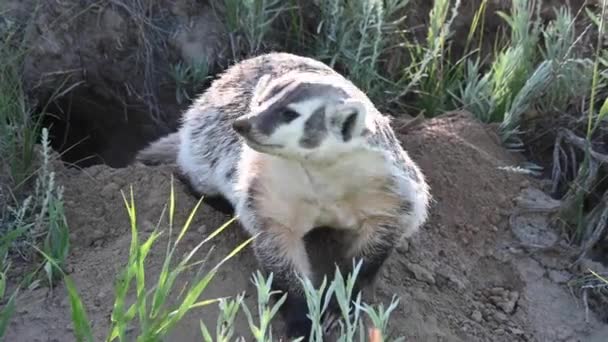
421	273
477	316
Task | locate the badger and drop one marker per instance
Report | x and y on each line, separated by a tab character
293	145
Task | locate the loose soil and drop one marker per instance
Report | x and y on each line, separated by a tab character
466	276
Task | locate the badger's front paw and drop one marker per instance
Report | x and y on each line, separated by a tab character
331	319
296	318
298	327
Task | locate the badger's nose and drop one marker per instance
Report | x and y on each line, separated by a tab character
241	126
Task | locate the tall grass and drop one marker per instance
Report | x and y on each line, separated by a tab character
19	128
589	229
249	23
31	203
356	35
527	74
189	79
432	75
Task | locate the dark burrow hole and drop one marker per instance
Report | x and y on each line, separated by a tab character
86	129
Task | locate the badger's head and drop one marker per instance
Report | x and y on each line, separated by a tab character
302	117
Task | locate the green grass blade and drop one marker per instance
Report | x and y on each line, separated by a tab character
2	285
598	276
141	279
185	306
189	221
220	229
205	332
6	313
82	328
235	251
211	236
171	203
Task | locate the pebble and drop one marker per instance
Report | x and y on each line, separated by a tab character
110	190
148	226
563	333
500	317
99	211
497	291
559	277
404	247
477	316
509	305
99	298
202	229
496	299
421	273
516	331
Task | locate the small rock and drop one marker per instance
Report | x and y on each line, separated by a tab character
148	226
110	190
563	333
559	277
509	306
99	298
499	331
404	247
477	316
421	273
516	331
99	211
500	317
457	284
202	229
497	291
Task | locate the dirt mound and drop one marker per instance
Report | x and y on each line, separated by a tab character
464	277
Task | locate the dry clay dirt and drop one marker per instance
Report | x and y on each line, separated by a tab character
464	277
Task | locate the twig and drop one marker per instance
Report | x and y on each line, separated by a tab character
583	144
599	223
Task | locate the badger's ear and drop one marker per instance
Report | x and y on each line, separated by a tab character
347	118
259	89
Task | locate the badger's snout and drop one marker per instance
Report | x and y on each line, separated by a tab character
242	126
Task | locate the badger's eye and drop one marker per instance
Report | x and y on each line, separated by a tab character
289	115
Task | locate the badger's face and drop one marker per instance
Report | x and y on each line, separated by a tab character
304	118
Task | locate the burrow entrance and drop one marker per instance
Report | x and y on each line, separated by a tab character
86	129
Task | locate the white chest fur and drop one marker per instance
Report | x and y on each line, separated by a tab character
341	195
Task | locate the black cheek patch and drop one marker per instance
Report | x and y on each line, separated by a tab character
314	130
268	121
348	126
